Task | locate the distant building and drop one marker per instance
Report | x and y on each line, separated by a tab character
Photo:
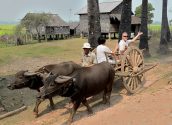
55	29
74	30
110	17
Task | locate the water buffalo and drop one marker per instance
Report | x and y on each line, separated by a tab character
83	83
33	80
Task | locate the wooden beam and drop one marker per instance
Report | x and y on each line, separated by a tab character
13	112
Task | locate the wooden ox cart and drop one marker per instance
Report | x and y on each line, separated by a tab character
131	68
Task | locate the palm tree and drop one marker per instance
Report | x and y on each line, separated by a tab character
144	28
163	47
94	28
168	32
125	24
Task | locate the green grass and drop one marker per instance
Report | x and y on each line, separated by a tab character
156	27
65	49
7	29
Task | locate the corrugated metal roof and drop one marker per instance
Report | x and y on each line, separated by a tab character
104	7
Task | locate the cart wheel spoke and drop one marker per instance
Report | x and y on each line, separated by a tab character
139	62
129	61
137	81
129	82
136	57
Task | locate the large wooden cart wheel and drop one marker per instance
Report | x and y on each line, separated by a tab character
132	63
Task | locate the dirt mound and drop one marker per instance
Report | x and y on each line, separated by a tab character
14	99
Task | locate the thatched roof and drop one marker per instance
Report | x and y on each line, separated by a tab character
54	19
134	19
73	25
105	7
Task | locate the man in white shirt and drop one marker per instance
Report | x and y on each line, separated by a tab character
124	43
101	50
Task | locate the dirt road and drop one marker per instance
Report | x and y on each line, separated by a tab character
151	106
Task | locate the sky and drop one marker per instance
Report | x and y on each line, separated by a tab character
15	10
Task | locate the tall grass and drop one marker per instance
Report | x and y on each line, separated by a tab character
7	29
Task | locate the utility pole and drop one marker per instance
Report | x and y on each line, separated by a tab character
70	13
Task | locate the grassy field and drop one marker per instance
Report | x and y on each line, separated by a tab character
156	27
69	49
65	49
7	29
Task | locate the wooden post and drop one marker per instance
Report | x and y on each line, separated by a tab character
109	36
13	112
53	36
46	37
26	38
114	35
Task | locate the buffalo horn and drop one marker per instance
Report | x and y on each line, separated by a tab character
63	79
29	73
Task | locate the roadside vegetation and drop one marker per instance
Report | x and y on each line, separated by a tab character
156	27
67	49
7	29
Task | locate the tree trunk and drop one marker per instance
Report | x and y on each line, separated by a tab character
125	24
38	33
168	32
163	47
94	28
144	28
39	38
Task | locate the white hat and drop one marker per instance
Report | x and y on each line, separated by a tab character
86	45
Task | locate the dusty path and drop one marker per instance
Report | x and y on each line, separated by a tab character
143	109
151	106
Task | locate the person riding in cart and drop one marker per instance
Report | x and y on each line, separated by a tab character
124	42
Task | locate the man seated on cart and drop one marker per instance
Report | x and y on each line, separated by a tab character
102	51
124	43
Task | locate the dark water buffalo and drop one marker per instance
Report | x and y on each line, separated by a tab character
83	83
33	81
64	68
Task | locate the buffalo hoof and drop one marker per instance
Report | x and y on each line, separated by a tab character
108	103
36	114
51	107
104	101
90	111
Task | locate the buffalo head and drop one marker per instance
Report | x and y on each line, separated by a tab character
26	79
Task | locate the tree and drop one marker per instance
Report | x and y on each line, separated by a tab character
150	8
163	47
144	28
19	31
170	22
35	21
125	24
94	28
